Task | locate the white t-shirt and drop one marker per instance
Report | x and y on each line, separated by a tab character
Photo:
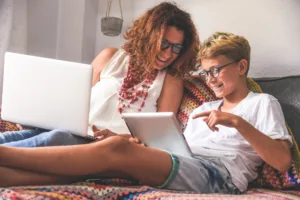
262	111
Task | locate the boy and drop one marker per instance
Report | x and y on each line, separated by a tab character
243	128
230	138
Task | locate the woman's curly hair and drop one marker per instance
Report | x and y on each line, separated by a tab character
145	36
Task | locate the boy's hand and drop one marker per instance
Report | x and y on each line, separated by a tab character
214	117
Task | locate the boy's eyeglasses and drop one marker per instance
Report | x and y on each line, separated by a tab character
176	48
214	71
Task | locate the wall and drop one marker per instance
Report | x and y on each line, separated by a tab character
103	41
13	30
89	31
18	34
42	27
271	26
6	18
62	29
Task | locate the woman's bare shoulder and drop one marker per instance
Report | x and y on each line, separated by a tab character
104	56
101	61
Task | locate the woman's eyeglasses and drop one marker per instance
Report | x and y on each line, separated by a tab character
214	71
176	48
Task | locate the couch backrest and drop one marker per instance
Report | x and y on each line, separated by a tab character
287	91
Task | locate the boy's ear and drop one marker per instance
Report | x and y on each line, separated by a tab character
243	65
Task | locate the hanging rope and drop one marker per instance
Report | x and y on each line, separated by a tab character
109	2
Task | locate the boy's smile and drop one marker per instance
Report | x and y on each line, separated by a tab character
226	81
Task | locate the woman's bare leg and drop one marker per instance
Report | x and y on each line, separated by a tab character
18	177
116	154
15	177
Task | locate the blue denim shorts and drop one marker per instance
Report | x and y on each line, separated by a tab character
199	175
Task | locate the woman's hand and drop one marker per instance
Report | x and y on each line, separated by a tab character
20	127
105	133
214	117
102	134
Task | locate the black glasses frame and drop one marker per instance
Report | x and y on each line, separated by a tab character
173	46
214	71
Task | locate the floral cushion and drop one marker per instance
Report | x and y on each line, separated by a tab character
196	92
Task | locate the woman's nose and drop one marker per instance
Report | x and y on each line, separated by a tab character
168	51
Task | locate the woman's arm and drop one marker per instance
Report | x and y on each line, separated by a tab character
100	62
171	95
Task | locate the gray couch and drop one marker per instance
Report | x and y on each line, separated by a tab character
287	91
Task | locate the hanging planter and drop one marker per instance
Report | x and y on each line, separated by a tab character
111	26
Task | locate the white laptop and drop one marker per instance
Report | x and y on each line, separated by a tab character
46	93
158	130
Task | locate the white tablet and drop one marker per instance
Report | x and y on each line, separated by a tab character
158	130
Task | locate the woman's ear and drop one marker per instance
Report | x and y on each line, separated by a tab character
243	65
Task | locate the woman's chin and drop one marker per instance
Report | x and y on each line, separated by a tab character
159	67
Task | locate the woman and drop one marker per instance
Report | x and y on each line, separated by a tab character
143	76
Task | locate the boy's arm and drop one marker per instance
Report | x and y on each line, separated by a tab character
274	152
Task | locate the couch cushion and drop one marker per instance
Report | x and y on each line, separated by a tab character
196	92
287	91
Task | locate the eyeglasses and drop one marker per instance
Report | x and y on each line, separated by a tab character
214	71
176	48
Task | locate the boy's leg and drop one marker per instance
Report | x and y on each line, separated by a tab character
114	155
50	138
11	136
202	175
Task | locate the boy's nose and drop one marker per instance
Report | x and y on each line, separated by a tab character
210	78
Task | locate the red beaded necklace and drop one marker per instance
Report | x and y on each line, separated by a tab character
129	90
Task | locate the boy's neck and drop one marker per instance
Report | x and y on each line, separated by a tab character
232	100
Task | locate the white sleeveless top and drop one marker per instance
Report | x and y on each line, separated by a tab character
104	95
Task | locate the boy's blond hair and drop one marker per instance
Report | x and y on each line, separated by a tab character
232	46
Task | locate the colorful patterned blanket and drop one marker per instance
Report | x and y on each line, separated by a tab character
115	189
